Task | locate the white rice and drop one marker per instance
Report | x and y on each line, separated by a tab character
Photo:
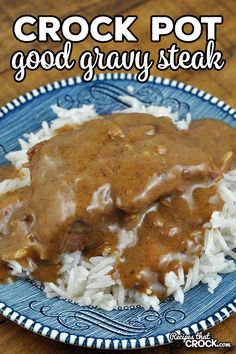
88	282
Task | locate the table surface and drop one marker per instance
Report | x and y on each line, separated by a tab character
14	339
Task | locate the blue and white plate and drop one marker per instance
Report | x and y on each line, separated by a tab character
131	327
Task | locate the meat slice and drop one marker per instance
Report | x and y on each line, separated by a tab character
108	165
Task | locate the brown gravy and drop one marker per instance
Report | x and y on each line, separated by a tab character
128	184
8	172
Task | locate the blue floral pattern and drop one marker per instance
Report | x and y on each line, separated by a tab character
85	318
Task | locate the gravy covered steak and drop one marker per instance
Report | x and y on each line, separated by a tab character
128	185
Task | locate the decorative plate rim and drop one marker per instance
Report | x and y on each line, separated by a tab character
101	343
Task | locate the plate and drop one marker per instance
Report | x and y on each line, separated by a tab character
130	327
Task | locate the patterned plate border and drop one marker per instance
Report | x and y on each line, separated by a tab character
100	343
